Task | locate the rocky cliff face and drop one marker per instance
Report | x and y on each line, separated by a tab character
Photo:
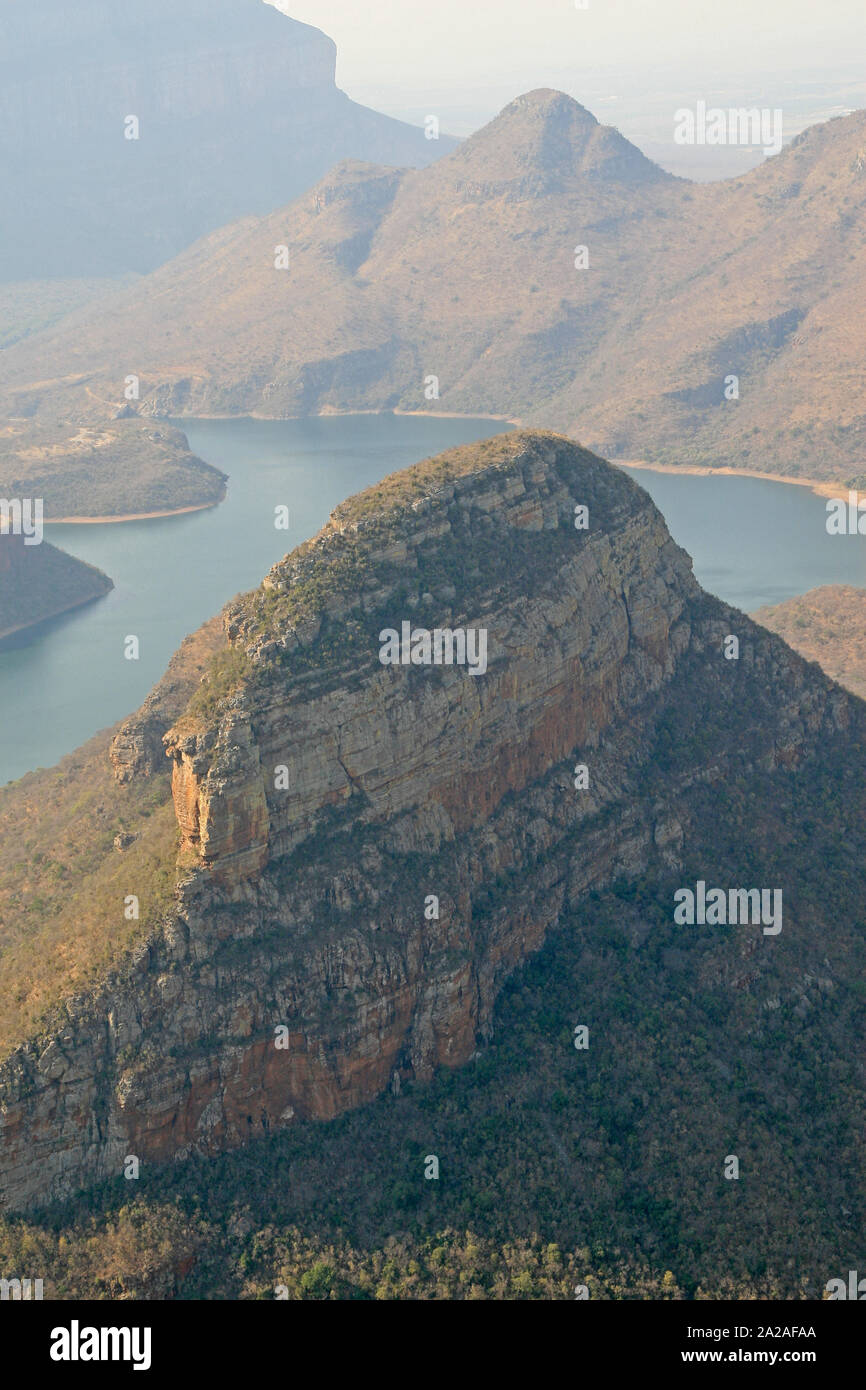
404	747
371	849
136	750
237	107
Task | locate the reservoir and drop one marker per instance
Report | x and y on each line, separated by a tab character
752	541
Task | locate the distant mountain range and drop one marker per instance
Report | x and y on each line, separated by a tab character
237	112
545	270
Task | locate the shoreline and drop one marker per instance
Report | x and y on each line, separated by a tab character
453	415
330	413
132	516
820	487
50	617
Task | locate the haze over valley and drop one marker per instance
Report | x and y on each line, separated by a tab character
544	271
432	666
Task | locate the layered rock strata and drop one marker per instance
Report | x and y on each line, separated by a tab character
370	850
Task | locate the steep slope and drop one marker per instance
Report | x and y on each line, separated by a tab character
466	272
238	111
40	581
72	837
369	850
827	625
777	302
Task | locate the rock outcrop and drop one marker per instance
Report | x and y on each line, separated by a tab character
370	850
402	747
137	749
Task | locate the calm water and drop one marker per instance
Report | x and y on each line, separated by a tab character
72	679
753	542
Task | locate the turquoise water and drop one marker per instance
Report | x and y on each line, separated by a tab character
753	542
71	679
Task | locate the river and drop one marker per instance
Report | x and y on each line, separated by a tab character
752	541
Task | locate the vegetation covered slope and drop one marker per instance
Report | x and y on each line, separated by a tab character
40	581
75	841
470	271
827	625
29	306
120	468
558	1166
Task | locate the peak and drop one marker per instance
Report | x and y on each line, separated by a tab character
551	104
519	463
497	496
826	161
453	471
544	140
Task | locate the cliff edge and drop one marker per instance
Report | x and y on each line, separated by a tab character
374	837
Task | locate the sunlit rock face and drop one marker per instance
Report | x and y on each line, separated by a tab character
370	849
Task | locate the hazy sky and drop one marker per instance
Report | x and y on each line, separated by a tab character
389	49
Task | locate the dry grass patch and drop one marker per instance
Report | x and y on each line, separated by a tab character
63	882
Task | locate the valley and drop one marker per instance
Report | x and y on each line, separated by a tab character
465	271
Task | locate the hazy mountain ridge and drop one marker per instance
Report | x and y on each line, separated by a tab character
238	111
465	272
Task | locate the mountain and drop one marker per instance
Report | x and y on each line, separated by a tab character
40	581
238	111
403	890
28	306
465	272
827	625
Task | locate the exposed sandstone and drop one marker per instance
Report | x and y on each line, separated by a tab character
137	749
304	908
